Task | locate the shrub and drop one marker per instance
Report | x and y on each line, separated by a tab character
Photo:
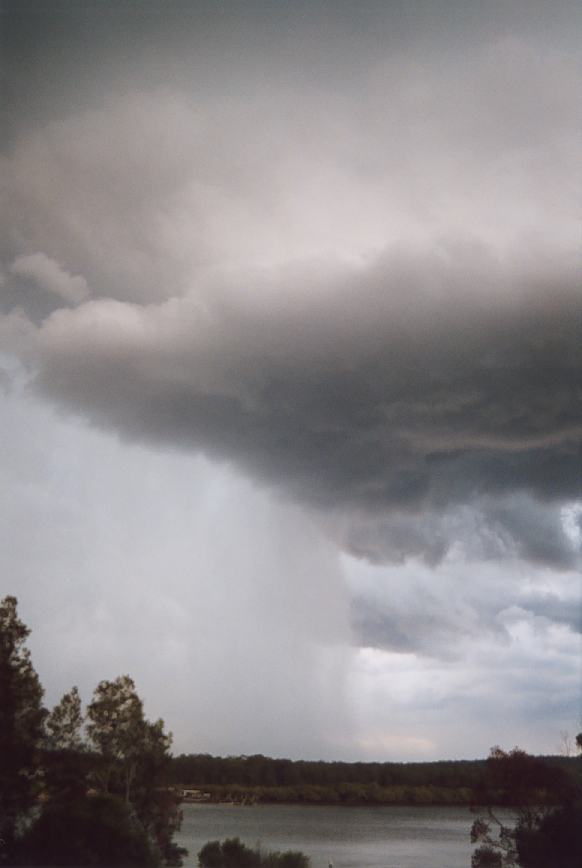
93	831
232	853
486	857
555	840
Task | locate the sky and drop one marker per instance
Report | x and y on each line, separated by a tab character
289	367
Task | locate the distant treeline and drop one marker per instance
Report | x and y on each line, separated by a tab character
262	779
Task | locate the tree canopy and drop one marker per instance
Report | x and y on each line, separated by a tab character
21	718
64	725
548	805
100	778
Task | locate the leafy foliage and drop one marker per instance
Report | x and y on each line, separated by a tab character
21	718
486	856
556	839
495	850
134	760
548	828
261	779
232	853
261	771
95	830
115	723
63	726
131	821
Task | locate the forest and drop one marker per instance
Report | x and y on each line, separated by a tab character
263	779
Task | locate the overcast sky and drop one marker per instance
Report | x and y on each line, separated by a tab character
290	329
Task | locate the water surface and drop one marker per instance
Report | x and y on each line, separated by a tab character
378	837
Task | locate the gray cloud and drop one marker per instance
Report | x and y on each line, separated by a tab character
427	630
385	397
466	603
132	560
362	331
334	248
555	608
48	275
228	606
486	528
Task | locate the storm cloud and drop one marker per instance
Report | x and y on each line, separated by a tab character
395	346
331	251
440	613
391	392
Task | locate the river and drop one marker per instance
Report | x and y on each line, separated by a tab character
378	837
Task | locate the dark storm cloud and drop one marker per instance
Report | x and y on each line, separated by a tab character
392	391
335	247
42	41
536	531
489	528
352	274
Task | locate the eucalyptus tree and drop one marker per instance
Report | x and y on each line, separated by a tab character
64	725
115	727
21	719
135	758
547	803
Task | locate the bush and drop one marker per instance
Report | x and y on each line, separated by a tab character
93	831
549	817
486	857
232	853
210	856
288	859
556	840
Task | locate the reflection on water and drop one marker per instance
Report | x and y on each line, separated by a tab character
378	837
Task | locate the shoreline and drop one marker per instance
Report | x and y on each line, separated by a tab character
426	805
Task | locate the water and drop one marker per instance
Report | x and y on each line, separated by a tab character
379	837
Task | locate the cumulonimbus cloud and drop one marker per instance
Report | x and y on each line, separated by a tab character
435	400
384	351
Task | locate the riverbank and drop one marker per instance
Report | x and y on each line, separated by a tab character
264	780
352	795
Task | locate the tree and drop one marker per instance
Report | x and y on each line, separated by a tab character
556	839
116	728
540	793
63	726
135	760
21	719
92	830
131	823
67	765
